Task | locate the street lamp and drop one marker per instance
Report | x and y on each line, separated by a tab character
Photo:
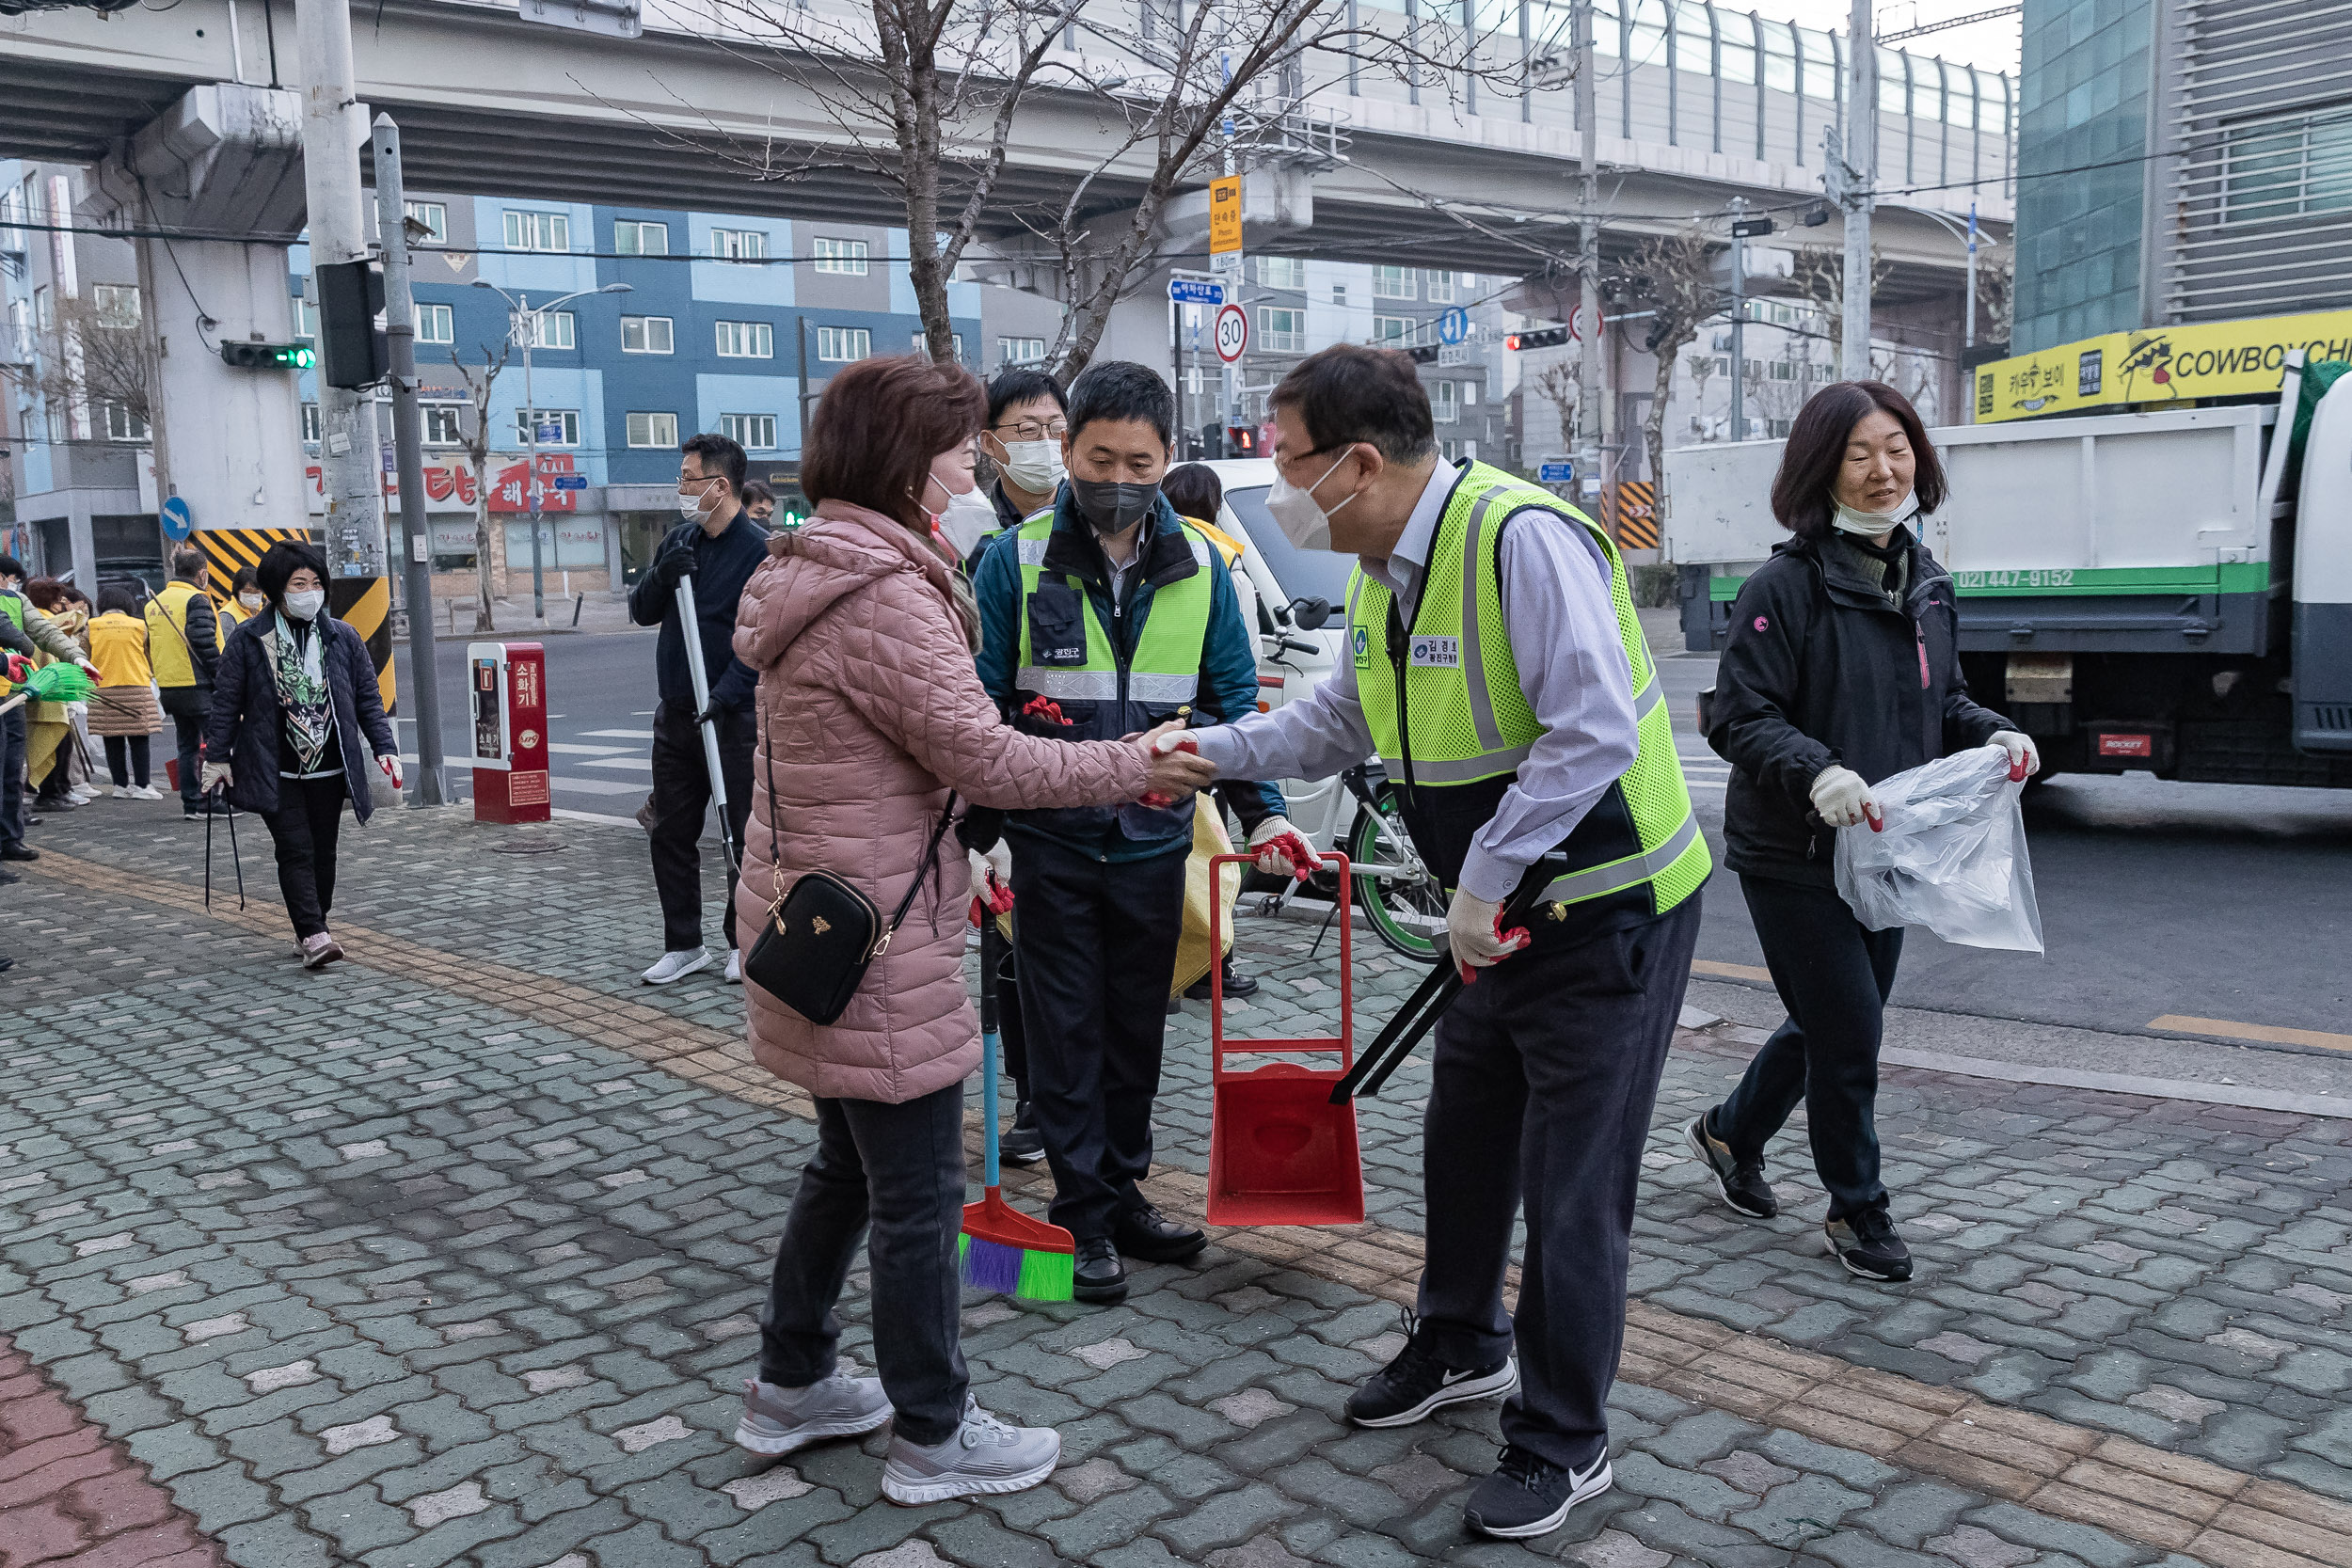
528	318
1968	237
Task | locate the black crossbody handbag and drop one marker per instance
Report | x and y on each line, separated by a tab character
822	936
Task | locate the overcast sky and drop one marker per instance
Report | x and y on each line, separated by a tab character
1992	45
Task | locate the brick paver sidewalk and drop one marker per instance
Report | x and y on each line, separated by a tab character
452	1254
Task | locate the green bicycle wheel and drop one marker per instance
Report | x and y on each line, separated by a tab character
1406	912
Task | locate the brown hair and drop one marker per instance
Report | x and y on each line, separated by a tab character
878	427
1804	489
1349	392
47	593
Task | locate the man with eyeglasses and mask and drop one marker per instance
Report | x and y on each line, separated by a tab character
1103	617
1500	674
721	547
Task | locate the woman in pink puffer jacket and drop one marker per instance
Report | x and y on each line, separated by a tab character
870	711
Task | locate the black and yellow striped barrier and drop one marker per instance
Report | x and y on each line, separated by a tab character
364	603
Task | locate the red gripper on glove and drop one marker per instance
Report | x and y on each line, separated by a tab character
1046	708
1156	800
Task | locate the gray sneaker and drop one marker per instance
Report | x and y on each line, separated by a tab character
984	1455
778	1420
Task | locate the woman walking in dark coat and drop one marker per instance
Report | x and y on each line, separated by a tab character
295	712
1843	669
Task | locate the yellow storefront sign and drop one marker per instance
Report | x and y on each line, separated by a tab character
2158	366
1224	215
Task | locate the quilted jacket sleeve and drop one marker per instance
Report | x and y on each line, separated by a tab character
902	664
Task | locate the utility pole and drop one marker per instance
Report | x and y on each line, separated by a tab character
1738	319
1861	158
1968	340
1587	258
529	325
350	461
400	338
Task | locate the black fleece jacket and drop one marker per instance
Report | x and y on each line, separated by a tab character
1821	670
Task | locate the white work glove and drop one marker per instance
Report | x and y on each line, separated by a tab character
1473	932
992	878
1843	799
1282	850
391	764
2025	758
88	669
214	773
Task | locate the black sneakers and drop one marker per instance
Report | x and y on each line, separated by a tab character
1022	1143
1152	1236
1097	1275
1865	1243
1528	1495
1417	1383
1741	1181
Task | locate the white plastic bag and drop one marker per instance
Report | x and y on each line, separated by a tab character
1951	857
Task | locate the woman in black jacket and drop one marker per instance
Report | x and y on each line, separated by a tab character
1843	669
295	711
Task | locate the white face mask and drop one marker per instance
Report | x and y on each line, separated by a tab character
251	601
969	518
1033	466
1303	522
1871	524
303	606
689	506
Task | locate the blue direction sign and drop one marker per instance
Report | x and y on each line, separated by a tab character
1555	472
1453	326
551	432
178	520
1196	291
569	481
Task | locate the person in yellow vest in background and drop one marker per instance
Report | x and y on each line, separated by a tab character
184	643
244	602
1500	672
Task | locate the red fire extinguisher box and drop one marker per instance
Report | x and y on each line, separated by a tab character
508	682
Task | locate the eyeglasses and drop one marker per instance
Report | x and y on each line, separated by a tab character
1030	430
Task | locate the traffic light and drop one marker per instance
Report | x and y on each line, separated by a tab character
1213	441
1241	440
1427	354
1543	337
351	349
267	357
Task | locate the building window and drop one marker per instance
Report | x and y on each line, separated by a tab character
2289	169
1469	394
558	427
634	237
647	335
752	431
117	304
433	215
444	423
653	429
306	318
921	343
44	312
746	341
1020	351
1778	429
1784	370
1392	329
1339	294
538	230
1445	402
842	344
1393	282
547	328
310	424
845	257
1282	272
1281	331
1440	288
739	245
122	422
437	323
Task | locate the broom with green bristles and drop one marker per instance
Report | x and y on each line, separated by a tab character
1003	1250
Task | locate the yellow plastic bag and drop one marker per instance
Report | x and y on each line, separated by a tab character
1193	957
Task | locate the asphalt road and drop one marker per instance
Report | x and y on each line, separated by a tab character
2210	901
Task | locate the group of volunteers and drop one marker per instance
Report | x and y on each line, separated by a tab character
274	704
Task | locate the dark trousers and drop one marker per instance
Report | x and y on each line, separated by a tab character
189	731
901	1169
1834	976
1010	1033
13	776
1542	1084
124	770
308	819
1097	955
681	798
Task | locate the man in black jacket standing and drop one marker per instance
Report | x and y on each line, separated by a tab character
721	547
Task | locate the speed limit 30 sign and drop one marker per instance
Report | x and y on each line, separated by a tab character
1232	333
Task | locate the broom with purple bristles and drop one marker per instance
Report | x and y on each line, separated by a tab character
1003	1250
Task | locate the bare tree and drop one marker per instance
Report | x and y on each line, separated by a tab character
474	437
1702	369
1558	384
1672	276
1777	398
1997	267
98	365
1819	272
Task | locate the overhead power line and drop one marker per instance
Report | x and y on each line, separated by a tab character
1926	27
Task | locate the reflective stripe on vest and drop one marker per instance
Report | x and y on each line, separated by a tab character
1483	719
1165	669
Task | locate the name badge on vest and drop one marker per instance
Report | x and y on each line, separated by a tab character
1437	653
1361	637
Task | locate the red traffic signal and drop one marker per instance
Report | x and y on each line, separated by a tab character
1241	440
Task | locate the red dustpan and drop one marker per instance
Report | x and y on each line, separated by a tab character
1280	1152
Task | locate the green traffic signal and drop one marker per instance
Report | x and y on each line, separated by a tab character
269	356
